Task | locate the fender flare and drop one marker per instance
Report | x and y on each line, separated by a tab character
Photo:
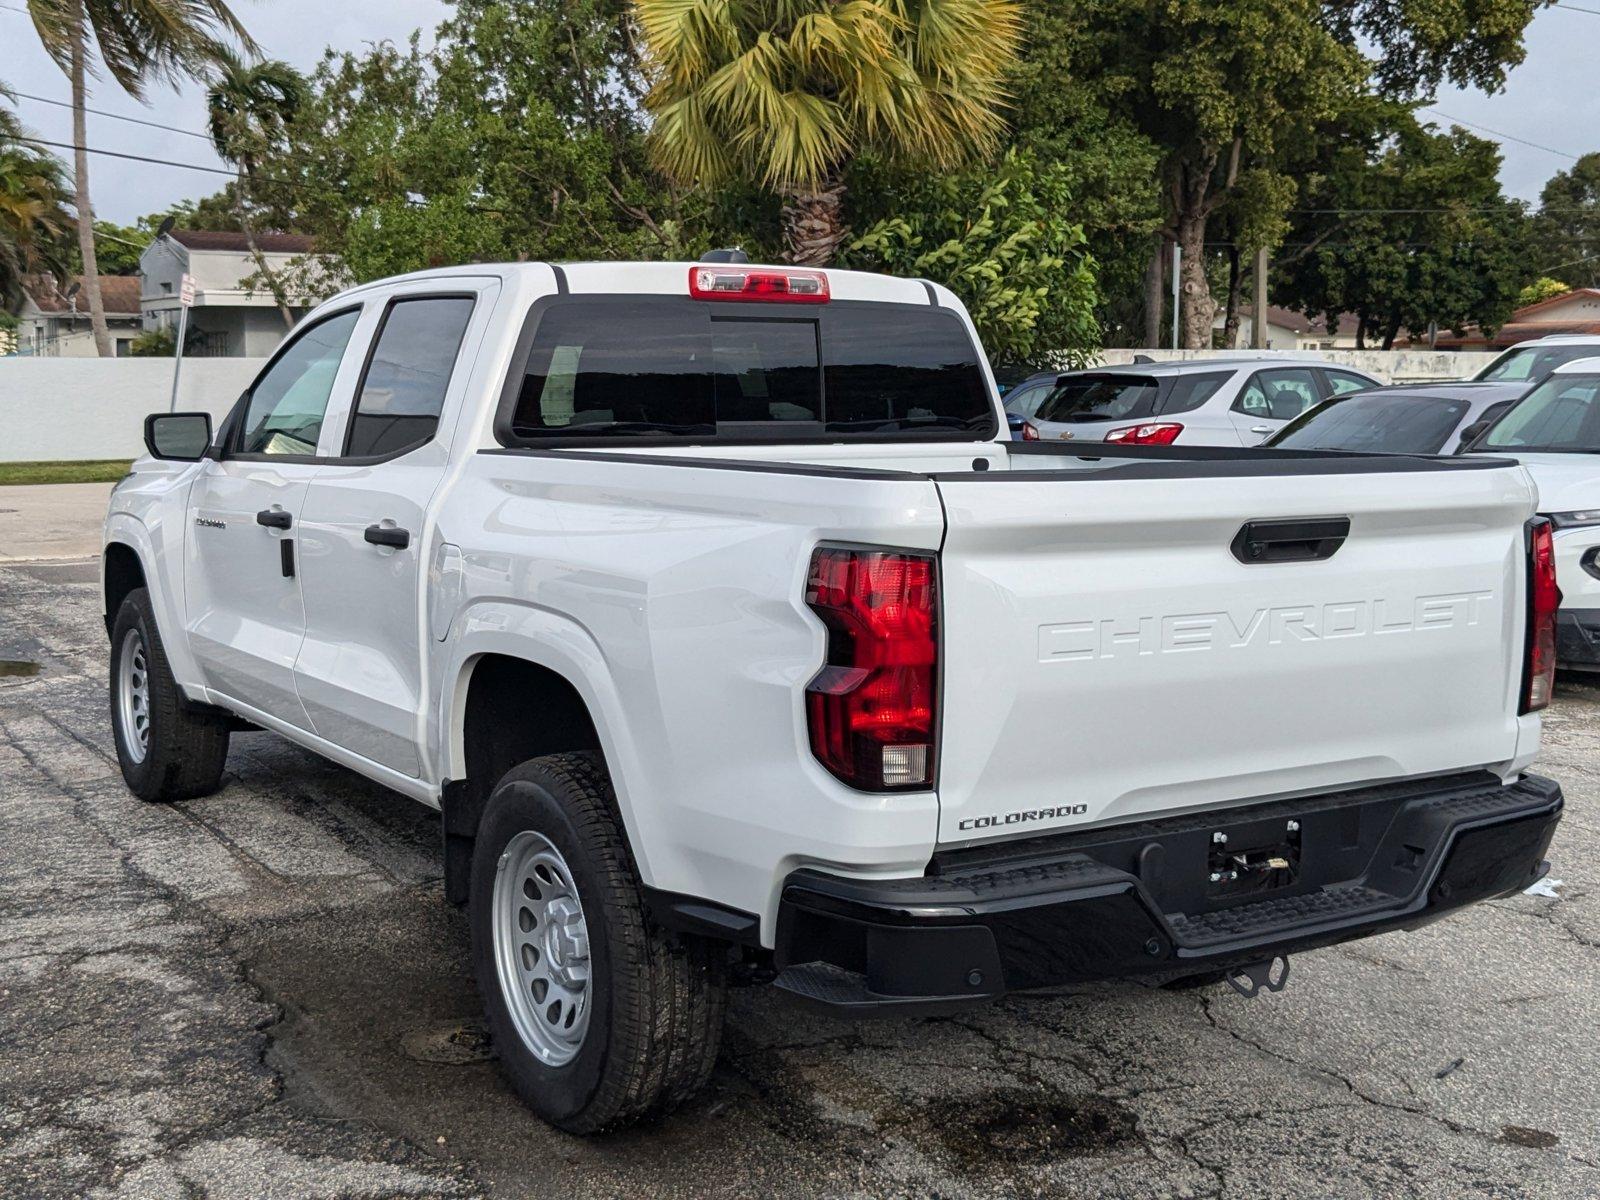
128	530
516	629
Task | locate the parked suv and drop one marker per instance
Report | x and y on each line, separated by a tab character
1416	418
1201	402
1527	362
736	644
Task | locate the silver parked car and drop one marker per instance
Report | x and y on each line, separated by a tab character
1418	418
1529	362
1202	402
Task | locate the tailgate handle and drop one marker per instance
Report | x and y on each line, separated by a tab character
1299	539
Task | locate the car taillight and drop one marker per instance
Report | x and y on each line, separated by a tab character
776	284
871	709
1160	433
1030	432
1544	599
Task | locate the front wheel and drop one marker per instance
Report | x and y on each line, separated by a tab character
168	750
601	1018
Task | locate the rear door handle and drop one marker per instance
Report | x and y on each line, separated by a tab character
274	518
388	535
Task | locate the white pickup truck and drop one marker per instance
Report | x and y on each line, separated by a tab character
737	644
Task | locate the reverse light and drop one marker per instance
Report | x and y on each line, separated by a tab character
871	709
1159	433
1030	432
776	284
1544	599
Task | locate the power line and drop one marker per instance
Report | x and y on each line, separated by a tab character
1503	136
144	158
1593	12
99	112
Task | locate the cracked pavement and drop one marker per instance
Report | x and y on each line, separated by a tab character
263	993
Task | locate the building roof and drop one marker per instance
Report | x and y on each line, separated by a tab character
1526	324
119	294
221	239
1299	323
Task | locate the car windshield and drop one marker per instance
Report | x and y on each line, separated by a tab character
1561	414
1100	398
1376	423
1534	362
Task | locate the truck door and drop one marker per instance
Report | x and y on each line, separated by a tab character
365	531
245	618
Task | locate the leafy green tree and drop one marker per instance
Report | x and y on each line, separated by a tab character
1416	235
136	41
1542	288
1003	239
32	217
249	105
787	93
1568	225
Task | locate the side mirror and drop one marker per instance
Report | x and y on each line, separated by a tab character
1471	434
182	437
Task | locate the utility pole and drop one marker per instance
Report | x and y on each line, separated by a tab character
1177	267
1258	324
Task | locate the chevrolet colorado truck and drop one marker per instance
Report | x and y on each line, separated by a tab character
734	641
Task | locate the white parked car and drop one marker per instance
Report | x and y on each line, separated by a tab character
737	643
1200	402
1555	432
1529	361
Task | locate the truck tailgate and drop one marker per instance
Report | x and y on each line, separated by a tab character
1108	656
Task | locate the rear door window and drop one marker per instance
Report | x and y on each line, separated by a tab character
1279	395
603	366
403	390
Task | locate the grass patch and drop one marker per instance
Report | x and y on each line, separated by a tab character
104	470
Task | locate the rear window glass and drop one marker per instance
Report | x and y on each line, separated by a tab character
1534	362
1562	413
665	365
1376	423
1100	398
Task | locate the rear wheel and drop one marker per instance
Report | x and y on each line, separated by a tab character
600	1017
167	748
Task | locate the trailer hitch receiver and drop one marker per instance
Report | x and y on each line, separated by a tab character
1271	974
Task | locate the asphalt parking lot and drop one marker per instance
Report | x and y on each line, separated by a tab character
263	993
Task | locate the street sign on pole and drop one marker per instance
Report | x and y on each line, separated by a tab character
185	302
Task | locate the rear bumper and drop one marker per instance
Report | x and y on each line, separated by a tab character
1578	638
1144	901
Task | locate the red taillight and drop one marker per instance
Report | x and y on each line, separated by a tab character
1159	433
1544	599
1030	432
758	283
871	709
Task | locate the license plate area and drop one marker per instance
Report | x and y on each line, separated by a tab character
1240	865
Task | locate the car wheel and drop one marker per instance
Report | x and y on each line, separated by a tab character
168	749
600	1017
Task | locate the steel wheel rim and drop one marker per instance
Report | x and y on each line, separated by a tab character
541	948
133	695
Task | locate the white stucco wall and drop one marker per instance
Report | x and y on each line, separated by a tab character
83	408
1395	366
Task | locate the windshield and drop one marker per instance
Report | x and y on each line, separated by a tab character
620	366
1100	398
1375	422
1534	362
1561	414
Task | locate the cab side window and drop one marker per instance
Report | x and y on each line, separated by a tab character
1340	382
402	392
287	403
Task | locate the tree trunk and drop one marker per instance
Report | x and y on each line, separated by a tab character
1199	309
1230	324
243	206
80	197
1390	332
1155	286
813	223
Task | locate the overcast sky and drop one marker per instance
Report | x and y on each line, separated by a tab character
1551	100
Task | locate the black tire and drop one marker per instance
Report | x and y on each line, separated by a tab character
658	1000
186	746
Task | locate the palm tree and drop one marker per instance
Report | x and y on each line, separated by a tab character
135	41
787	92
32	219
250	106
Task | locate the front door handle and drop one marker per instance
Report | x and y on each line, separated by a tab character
388	535
274	518
1261	429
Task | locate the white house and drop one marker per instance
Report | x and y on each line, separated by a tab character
54	321
1288	330
229	319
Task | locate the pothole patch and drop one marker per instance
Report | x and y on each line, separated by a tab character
1014	1125
456	1044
